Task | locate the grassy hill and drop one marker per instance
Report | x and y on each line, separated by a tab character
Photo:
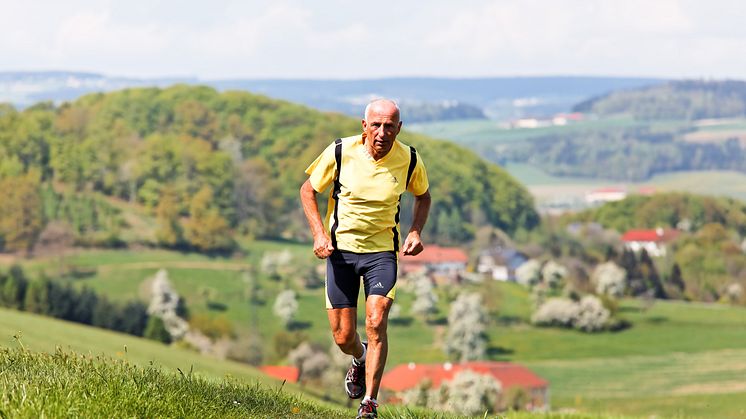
59	369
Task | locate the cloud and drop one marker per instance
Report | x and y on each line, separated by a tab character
335	38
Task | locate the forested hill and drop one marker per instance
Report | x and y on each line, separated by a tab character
690	99
209	165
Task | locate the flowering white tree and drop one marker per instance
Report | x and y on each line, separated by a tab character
467	321
311	363
588	315
553	274
610	279
425	297
286	306
164	302
529	273
470	393
592	315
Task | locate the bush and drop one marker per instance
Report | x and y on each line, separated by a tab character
587	315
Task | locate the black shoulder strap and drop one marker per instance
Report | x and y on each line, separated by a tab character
338	159
337	188
412	164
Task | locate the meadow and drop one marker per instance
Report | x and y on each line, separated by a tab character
547	188
677	360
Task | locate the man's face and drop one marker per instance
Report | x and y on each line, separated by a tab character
381	128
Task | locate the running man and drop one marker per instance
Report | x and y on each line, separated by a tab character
368	174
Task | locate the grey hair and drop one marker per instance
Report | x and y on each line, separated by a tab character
381	99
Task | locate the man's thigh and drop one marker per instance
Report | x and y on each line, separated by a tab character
379	272
342	280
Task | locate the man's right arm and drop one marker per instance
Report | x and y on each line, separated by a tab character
322	244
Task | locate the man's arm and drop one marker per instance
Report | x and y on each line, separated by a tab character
413	244
322	244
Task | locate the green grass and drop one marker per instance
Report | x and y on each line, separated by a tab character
69	384
44	334
65	384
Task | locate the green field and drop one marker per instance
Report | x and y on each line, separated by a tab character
481	131
545	187
675	359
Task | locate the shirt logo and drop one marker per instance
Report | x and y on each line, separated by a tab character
378	285
394	180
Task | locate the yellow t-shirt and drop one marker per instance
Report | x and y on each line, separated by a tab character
368	206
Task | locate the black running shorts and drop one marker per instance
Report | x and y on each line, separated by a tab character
343	272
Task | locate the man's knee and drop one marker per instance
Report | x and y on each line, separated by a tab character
345	339
375	325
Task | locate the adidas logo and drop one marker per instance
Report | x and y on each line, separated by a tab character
394	180
378	285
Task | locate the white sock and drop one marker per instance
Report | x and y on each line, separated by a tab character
361	360
368	398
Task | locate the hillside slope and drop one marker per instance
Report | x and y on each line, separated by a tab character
685	99
208	162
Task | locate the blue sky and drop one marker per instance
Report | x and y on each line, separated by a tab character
348	39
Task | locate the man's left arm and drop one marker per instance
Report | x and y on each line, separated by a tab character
413	243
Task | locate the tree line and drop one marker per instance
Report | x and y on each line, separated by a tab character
61	300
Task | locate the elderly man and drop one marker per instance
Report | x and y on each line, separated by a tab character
368	174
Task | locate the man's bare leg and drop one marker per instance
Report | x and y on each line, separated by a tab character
343	322
376	319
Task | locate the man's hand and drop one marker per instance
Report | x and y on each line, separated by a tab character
322	246
413	244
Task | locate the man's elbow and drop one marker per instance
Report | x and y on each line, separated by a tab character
306	190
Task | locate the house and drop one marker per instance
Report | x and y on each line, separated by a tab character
509	375
281	372
500	263
603	195
447	261
653	241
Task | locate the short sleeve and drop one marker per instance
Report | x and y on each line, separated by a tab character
321	171
418	184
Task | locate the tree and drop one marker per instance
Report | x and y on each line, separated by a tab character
169	232
529	273
311	362
164	303
286	307
425	298
13	288
471	393
20	212
466	339
156	330
610	279
206	229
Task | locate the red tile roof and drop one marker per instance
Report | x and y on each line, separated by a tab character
436	254
655	235
510	375
287	373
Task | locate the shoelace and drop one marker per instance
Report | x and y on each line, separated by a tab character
368	407
354	372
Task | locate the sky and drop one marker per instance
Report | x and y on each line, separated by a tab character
320	39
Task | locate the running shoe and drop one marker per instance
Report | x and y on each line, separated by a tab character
367	410
355	379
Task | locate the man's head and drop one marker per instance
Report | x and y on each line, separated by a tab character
381	126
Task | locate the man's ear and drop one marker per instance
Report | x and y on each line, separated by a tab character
365	124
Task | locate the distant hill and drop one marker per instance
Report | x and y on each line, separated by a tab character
495	97
687	100
205	162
